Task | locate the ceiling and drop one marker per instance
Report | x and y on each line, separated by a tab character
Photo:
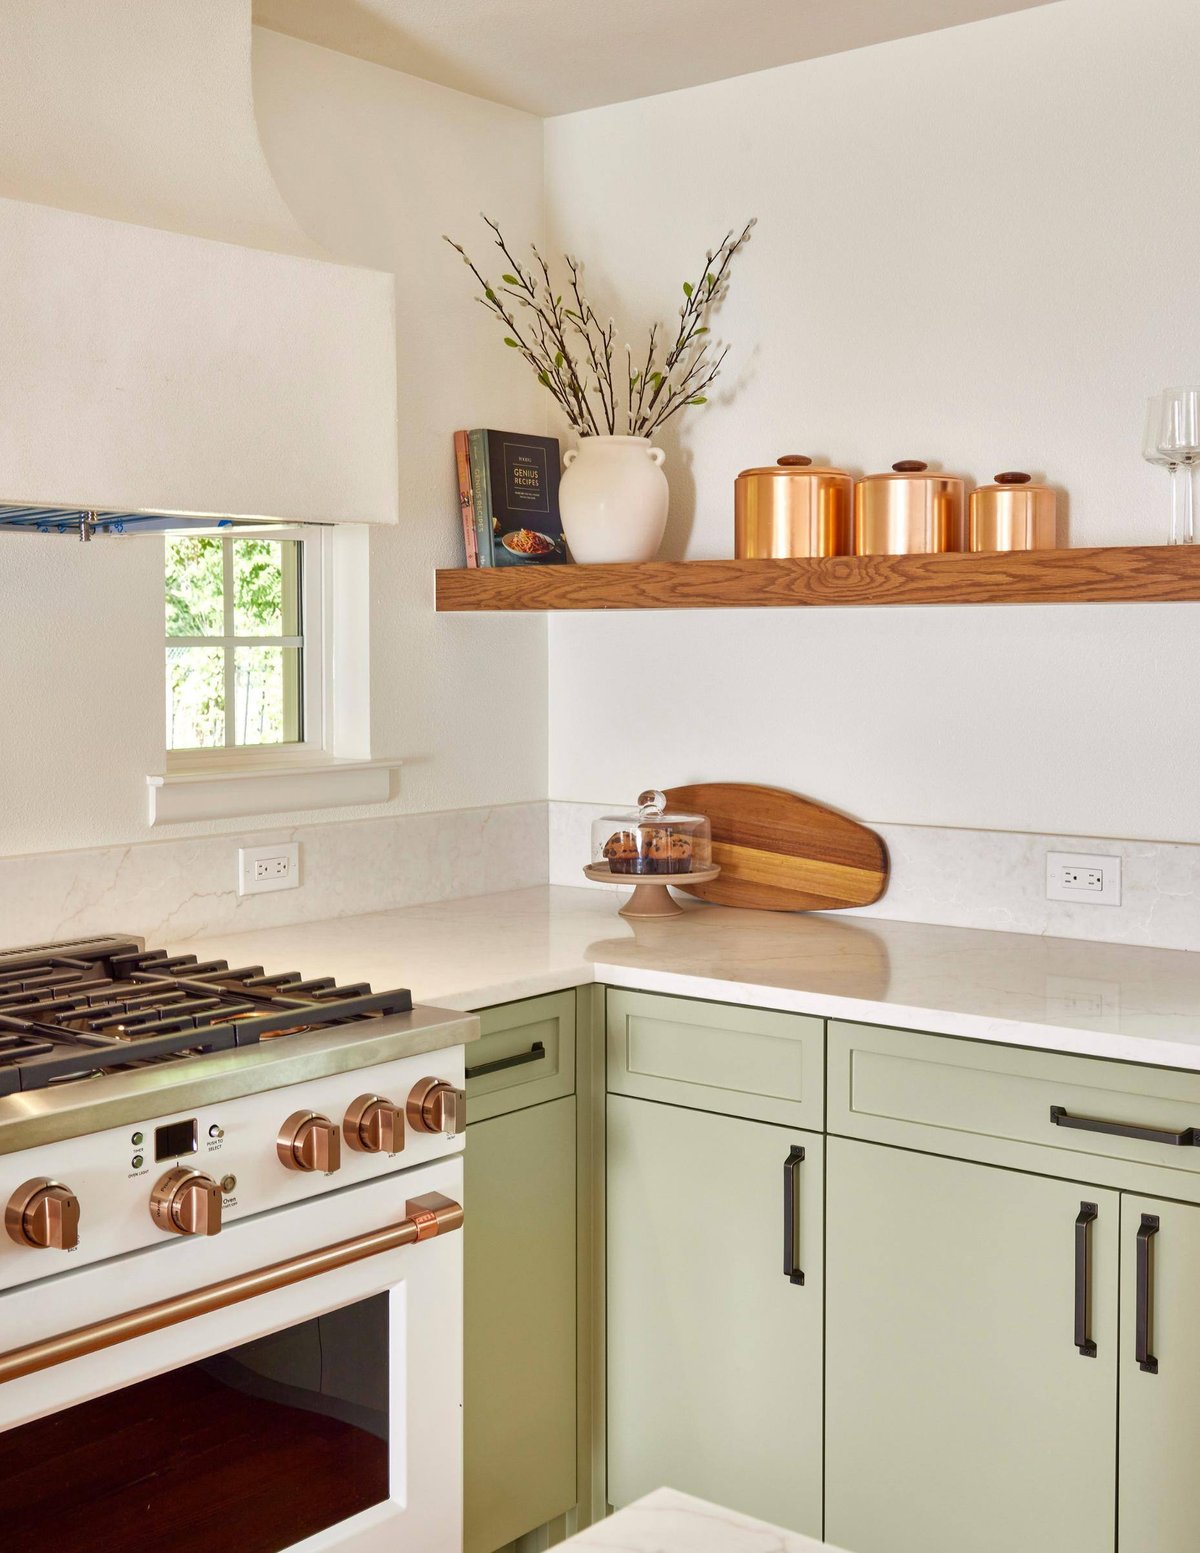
557	56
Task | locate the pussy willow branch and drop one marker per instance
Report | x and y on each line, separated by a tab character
571	352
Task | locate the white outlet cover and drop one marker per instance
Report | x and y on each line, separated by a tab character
287	852
1110	867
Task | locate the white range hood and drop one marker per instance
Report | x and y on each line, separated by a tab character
170	340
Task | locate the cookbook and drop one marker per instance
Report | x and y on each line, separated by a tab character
513	492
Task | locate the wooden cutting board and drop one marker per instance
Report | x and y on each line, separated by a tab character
780	852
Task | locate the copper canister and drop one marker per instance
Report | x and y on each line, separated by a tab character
794	507
1013	514
909	512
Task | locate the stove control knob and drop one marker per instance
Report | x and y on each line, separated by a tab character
435	1106
44	1215
309	1141
374	1125
186	1202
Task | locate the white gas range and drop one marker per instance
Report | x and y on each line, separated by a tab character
230	1291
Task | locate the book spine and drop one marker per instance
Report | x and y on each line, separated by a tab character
466	497
482	498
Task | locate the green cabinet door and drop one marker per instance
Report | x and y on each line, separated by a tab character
961	1417
519	1343
1160	1423
714	1353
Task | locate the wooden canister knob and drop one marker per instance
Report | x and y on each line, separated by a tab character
794	460
1013	477
910	466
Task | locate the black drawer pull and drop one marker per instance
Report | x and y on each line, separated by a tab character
791	1212
1083	1279
1144	1317
535	1054
1188	1138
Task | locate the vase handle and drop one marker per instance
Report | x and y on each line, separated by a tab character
658	457
569	457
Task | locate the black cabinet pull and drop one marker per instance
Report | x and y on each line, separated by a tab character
1145	1294
791	1212
535	1054
1083	1279
1188	1138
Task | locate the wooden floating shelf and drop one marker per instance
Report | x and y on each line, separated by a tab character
1134	574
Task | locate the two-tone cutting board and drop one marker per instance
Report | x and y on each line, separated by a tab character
780	852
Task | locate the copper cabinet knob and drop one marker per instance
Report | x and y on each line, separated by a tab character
309	1141
186	1202
43	1215
373	1125
435	1106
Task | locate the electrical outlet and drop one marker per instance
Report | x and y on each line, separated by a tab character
1083	877
275	867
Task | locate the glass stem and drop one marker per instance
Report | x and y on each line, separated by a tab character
1189	504
1176	504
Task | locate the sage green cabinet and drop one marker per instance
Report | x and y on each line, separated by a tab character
714	1352
960	1416
519	1249
1159	1496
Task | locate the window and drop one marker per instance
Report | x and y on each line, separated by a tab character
242	643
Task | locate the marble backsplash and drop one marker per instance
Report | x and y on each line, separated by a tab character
986	879
165	891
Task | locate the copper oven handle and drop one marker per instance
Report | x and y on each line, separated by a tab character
424	1218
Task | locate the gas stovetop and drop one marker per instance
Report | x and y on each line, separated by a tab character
76	1010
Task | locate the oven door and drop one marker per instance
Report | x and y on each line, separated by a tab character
292	1383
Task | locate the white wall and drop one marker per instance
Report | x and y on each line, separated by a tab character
141	112
980	247
375	165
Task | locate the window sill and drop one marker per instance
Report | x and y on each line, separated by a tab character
287	786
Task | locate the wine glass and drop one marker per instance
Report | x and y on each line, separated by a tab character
1154	454
1179	444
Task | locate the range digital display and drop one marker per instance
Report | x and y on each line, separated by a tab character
174	1139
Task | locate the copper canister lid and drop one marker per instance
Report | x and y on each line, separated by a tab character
792	508
1013	514
909	511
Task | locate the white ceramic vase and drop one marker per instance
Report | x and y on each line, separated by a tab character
613	499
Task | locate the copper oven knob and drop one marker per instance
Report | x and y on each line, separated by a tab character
373	1125
309	1141
186	1202
44	1215
435	1106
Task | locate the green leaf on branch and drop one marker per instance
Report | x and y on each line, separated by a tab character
699	399
687	288
558	358
512	342
510	280
544	379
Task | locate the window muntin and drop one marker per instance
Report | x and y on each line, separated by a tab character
242	664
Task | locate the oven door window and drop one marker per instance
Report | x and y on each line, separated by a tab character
254	1449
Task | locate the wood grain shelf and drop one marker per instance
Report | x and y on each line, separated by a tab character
1134	574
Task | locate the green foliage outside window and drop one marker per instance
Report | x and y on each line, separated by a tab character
213	672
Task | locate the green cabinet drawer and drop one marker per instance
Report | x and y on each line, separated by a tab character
750	1062
1112	1122
524	1056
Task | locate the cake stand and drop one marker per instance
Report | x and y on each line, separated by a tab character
651	899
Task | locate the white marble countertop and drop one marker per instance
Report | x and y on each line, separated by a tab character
1108	1000
670	1522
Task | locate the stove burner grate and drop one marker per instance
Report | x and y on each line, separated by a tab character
74	1011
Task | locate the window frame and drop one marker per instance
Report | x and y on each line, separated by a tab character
314	676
